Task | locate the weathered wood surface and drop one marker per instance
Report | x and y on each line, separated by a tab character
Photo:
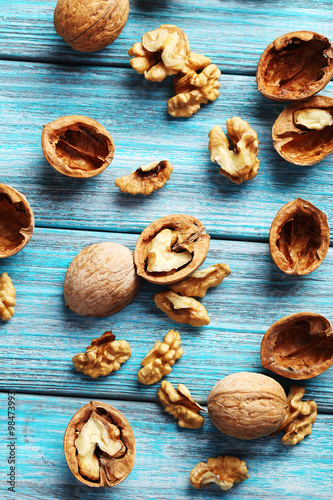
165	455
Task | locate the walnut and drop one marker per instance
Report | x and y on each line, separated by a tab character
103	356
299	418
224	471
242	163
7	297
181	405
182	309
197	284
162	52
160	358
161	257
146	179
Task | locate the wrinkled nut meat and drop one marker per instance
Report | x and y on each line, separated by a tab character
162	52
295	66
223	471
101	280
300	417
299	237
299	346
103	356
99	445
146	179
303	132
188	237
7	297
180	404
160	358
241	163
197	284
16	221
88	26
182	309
247	405
77	146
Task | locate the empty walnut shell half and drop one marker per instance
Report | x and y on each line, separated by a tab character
77	146
298	346
111	470
299	237
303	132
188	238
295	66
16	221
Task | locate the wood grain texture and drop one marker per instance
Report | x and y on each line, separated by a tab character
275	471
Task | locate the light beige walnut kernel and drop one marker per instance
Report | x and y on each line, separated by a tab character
161	256
7	297
160	358
242	163
182	309
145	180
223	471
103	356
197	284
180	404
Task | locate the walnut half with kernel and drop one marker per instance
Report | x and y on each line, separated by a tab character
197	284
146	179
223	471
182	309
7	297
180	404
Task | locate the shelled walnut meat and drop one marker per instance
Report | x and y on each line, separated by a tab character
16	221
99	445
7	297
182	309
299	237
295	66
197	284
180	404
223	471
303	132
146	179
170	249
77	146
298	346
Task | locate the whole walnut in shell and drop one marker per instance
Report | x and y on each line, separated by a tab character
101	280
247	405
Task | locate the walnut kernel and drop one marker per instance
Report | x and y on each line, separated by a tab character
197	284
7	297
146	179
161	257
223	471
182	309
181	405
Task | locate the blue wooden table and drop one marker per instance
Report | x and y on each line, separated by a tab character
43	79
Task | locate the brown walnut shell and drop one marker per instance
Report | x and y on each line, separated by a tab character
295	66
16	221
90	25
299	346
112	470
299	237
194	239
77	146
297	144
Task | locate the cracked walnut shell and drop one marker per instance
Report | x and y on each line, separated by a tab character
104	355
223	471
298	346
303	132
77	146
241	163
89	458
180	404
146	179
197	284
299	237
7	297
295	66
182	309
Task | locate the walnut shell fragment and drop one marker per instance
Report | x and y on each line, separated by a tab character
197	284
7	297
299	237
223	471
146	179
303	132
77	146
188	235
88	26
295	66
16	221
180	404
182	309
298	346
100	469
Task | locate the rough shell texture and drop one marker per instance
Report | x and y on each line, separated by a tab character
299	237
77	146
192	237
101	280
299	346
16	221
114	470
90	25
295	66
247	405
297	144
